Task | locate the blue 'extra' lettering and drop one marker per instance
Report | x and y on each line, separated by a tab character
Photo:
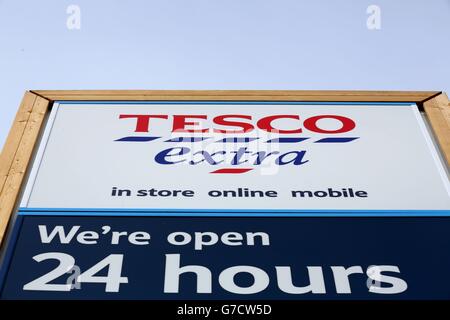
242	155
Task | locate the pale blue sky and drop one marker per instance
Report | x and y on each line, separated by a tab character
228	44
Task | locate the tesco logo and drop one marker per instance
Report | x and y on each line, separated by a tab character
236	143
238	123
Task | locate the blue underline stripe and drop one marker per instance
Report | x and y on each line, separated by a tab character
187	139
137	139
237	140
335	140
286	140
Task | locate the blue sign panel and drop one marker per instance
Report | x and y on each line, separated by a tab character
286	258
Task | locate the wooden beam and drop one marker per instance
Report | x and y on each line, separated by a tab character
437	110
15	135
19	148
236	95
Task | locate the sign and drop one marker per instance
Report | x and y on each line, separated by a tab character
201	200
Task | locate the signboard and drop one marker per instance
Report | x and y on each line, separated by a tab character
208	200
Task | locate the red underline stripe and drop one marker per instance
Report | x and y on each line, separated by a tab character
232	170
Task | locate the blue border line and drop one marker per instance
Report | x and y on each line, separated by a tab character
171	212
62	102
260	215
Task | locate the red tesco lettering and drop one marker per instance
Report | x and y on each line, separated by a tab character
237	123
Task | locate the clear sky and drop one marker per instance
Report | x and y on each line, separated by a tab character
228	44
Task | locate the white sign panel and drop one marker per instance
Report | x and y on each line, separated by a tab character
238	157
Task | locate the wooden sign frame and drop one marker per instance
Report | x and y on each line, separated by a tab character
24	134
